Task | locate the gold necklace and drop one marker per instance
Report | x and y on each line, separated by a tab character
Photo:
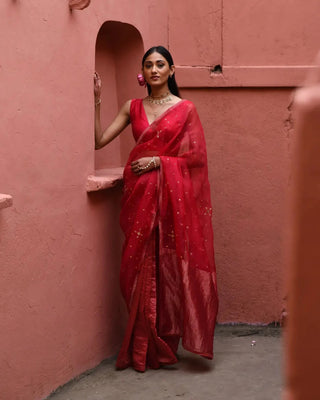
165	98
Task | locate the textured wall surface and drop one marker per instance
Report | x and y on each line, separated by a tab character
61	309
248	164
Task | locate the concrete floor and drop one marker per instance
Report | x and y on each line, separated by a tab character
241	370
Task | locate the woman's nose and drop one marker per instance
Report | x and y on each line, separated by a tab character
154	68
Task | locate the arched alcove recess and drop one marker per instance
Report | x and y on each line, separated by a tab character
119	49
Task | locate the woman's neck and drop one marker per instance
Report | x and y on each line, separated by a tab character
159	92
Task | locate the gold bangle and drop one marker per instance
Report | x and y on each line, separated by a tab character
152	161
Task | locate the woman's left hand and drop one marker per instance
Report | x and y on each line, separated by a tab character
143	165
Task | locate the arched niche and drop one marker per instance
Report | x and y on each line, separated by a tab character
119	49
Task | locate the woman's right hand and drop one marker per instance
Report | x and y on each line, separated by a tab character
97	86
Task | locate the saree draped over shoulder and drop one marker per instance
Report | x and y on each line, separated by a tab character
167	275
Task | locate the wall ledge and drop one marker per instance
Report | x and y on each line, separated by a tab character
104	179
5	201
242	76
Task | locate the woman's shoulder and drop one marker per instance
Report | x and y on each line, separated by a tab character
132	107
133	102
126	107
188	104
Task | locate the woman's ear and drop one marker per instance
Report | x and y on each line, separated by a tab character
172	70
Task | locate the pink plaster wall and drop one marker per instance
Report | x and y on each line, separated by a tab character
274	32
249	176
61	310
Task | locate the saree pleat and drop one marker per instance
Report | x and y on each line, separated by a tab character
142	346
167	275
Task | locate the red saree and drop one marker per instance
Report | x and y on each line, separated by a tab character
167	276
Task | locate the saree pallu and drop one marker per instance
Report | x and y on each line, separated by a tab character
167	276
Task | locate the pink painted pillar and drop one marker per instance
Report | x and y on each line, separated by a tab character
303	335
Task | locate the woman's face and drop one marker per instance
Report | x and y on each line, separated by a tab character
156	70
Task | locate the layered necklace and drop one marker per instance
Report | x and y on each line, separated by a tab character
164	98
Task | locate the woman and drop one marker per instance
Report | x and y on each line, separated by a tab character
167	273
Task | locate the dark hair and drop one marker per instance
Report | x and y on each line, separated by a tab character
172	84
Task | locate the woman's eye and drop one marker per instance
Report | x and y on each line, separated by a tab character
160	65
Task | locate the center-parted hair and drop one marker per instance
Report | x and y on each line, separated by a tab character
172	84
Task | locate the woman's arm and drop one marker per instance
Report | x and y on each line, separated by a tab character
114	129
117	125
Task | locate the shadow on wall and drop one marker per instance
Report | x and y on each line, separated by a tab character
119	49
